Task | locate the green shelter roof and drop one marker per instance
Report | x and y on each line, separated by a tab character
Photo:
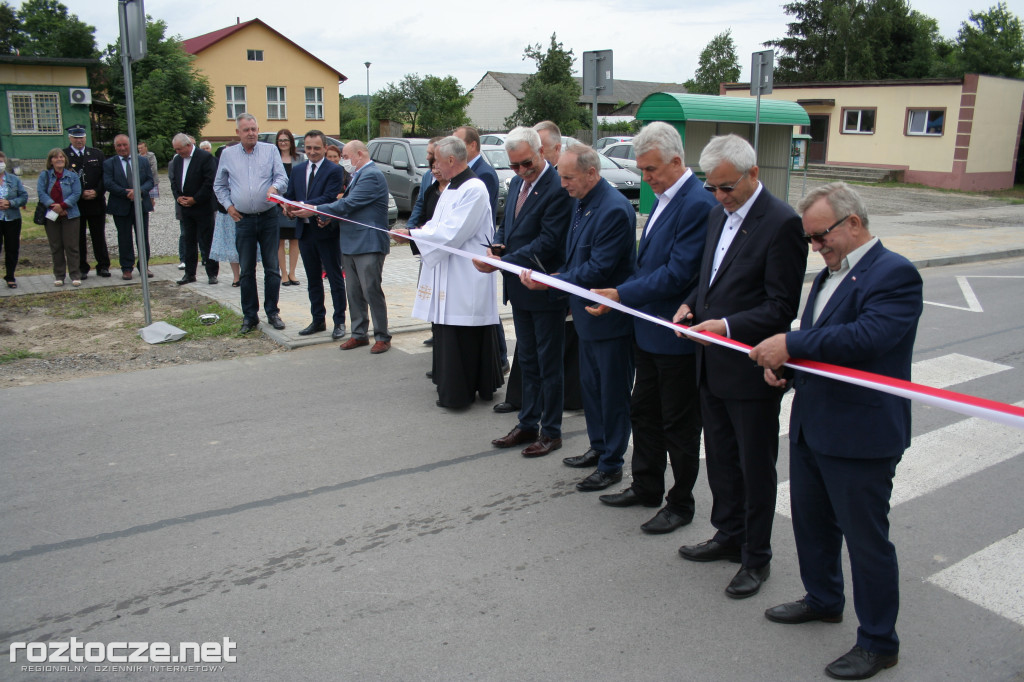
670	106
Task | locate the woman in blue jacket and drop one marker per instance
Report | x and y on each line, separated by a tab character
13	196
61	191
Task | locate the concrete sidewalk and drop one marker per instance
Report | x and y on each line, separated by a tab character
928	238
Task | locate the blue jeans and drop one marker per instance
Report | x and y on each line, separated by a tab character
253	229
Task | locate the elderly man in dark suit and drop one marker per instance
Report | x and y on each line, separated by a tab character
665	406
533	235
363	248
193	171
315	181
600	253
117	180
845	441
87	162
748	289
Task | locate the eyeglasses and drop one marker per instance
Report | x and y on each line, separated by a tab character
820	236
528	163
724	188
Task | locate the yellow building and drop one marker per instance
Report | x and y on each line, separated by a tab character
960	133
253	68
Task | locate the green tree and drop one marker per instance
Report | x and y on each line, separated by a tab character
352	118
47	29
551	93
991	43
428	105
8	29
171	96
718	63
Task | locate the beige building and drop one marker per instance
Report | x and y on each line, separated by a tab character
253	68
959	133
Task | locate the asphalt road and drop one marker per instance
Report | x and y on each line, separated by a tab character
319	511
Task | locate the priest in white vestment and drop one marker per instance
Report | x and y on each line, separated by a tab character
459	301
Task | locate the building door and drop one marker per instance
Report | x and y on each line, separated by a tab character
818	130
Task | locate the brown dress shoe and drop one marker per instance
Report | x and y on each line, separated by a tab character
381	347
354	343
543	446
516	436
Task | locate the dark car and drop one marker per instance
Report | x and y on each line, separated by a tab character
498	158
622	179
403	160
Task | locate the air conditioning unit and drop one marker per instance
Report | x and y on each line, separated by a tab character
81	96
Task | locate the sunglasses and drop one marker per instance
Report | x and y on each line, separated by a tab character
528	163
724	188
820	236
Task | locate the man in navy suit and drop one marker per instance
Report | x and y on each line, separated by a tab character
533	235
317	181
665	407
88	163
192	171
748	289
600	253
363	248
117	180
846	440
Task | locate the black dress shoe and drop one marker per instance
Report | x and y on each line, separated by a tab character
248	326
585	461
796	612
212	279
747	582
186	280
503	408
665	521
429	374
103	272
428	342
628	498
285	282
516	436
313	328
710	551
84	276
339	331
599	480
275	321
860	664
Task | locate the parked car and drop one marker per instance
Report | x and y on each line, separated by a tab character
605	141
498	158
392	210
623	153
493	138
403	160
622	179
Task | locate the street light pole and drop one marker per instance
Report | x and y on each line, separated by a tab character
367	101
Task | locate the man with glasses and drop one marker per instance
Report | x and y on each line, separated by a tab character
532	235
862	312
748	289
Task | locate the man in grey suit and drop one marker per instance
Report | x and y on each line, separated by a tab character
363	248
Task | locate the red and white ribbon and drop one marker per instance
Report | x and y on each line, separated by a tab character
1003	413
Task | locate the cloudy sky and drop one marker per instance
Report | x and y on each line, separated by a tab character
653	40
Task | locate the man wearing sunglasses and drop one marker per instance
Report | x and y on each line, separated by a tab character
748	289
862	312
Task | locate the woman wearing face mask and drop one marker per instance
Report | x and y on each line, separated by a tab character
333	155
286	225
61	191
13	196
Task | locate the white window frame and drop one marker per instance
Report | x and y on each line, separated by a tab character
254	55
314	104
858	130
921	122
39	110
277	106
235	106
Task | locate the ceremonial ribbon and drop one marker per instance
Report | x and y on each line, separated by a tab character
1002	413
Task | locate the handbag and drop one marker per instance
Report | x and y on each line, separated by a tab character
40	217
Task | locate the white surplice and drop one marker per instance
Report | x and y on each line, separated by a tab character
451	291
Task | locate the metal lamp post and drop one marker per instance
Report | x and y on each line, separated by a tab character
367	100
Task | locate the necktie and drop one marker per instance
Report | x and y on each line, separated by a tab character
312	174
128	171
578	216
522	198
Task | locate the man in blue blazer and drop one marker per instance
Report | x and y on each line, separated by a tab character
363	248
748	289
317	181
532	235
120	201
665	407
600	253
846	440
